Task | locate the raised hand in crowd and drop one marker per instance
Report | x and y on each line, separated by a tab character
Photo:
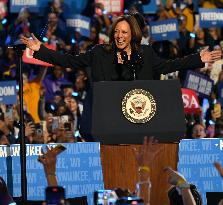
147	153
33	44
175	178
178	180
48	160
210	56
145	157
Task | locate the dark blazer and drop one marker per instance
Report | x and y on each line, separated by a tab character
103	63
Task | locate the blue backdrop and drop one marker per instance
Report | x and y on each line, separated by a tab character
196	158
78	170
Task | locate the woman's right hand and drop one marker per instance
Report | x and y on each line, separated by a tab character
33	44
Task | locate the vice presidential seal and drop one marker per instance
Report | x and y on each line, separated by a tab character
138	106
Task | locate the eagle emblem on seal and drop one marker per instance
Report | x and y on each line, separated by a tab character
138	106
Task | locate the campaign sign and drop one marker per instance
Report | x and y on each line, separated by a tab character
79	23
112	6
8	92
190	100
211	17
202	84
196	158
3	8
164	30
150	7
28	56
78	170
33	5
219	86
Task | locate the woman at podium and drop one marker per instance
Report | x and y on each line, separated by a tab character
124	58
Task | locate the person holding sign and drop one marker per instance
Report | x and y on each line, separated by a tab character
124	58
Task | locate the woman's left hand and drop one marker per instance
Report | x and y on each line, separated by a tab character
210	56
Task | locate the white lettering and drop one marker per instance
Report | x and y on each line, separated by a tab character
78	23
6	91
212	16
164	28
24	2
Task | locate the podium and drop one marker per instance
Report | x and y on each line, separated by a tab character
109	125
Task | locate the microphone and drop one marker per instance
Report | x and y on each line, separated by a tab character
18	45
124	56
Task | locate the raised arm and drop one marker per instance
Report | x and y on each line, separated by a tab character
178	180
193	61
145	157
48	160
56	58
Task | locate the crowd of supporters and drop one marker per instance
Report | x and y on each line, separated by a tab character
53	96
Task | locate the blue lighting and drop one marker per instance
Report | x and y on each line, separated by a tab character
4	21
73	40
45	39
77	134
192	35
52	107
211	122
75	94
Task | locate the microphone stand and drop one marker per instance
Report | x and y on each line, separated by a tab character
19	50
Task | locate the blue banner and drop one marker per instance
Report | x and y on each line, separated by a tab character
75	6
196	158
164	30
78	170
211	18
150	8
202	84
80	23
32	5
8	92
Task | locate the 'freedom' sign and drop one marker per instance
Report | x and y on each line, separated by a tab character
211	18
164	30
8	92
200	83
33	5
80	23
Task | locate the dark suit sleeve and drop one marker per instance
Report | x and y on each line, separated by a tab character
64	60
161	66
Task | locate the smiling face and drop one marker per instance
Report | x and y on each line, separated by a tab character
123	36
